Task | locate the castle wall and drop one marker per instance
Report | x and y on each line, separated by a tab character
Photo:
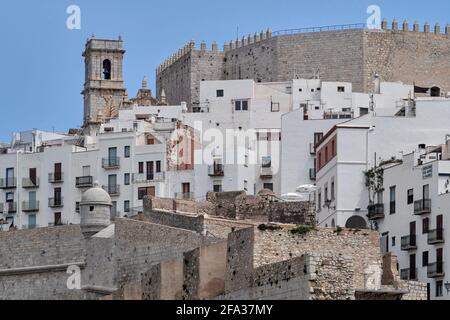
350	55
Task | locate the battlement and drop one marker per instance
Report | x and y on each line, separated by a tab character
416	27
203	48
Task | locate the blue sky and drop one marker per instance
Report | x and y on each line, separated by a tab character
42	69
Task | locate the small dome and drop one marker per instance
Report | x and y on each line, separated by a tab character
96	195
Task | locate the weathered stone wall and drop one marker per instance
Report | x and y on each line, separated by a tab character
410	57
239	205
345	55
362	246
140	245
240	260
41	247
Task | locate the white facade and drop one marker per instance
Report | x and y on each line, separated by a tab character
302	130
42	185
414	223
363	142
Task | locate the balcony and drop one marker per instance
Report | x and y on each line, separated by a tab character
266	173
111	163
28	183
408	274
216	170
148	178
184	195
55	177
312	149
8	183
113	190
376	211
84	182
312	174
436	270
8	208
436	237
55	202
409	243
30	206
422	207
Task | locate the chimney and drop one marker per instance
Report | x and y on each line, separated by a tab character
426	27
405	26
416	27
384	24
395	25
437	28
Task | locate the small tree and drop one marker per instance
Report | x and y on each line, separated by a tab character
374	183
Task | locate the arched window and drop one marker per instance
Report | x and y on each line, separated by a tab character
106	70
356	222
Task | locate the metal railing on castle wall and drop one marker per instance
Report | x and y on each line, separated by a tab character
354	26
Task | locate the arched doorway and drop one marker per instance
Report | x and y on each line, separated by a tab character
356	222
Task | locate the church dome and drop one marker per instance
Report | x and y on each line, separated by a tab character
95	196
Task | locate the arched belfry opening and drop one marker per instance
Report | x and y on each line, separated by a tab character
106	73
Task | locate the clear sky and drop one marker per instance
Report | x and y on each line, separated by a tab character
42	72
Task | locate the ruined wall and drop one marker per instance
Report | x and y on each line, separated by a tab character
238	205
362	246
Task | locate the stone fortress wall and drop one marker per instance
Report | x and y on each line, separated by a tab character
410	54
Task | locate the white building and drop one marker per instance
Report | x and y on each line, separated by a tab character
304	127
352	148
42	175
240	122
411	214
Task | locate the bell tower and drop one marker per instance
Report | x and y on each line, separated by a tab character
104	91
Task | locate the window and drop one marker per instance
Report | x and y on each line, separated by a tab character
126	179
106	70
332	189
319	200
410	196
158	166
363	111
217	187
268	186
392	200
341	89
439	286
266	162
126	206
275	107
393	241
219	93
317	137
241	105
333	148
425	259
58	220
427	172
126	151
326	192
147	191
141	167
245	185
426	225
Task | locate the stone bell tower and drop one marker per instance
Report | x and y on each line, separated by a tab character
104	91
